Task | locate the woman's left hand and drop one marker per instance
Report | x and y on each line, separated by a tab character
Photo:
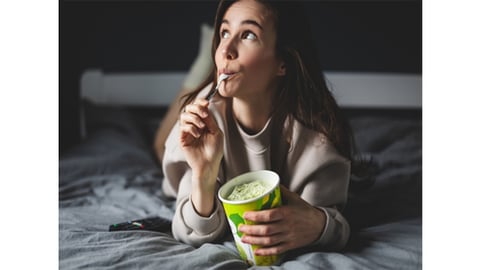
292	225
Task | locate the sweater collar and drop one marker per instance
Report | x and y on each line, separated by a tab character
258	142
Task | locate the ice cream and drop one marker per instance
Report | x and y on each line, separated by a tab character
247	191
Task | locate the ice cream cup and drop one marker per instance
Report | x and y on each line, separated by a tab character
234	210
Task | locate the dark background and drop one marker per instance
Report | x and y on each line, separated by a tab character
140	36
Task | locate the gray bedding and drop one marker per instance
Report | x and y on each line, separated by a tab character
112	177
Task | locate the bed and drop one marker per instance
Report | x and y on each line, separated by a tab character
113	176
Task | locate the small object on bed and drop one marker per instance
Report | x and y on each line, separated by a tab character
156	224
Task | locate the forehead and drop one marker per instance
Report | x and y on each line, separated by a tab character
249	10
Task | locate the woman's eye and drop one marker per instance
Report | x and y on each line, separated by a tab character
250	36
224	34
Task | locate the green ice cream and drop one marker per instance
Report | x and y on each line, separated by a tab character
247	191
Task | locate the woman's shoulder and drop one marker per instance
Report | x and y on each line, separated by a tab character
310	153
308	141
301	133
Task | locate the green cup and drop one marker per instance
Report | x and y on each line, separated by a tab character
234	210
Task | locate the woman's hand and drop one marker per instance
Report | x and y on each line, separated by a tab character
292	225
200	137
202	143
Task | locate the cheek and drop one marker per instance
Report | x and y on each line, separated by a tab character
257	62
261	64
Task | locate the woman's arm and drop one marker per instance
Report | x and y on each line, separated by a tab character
191	164
202	143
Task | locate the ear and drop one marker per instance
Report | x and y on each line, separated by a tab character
282	69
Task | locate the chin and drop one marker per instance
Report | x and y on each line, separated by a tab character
225	93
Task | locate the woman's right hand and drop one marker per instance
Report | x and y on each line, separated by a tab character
202	142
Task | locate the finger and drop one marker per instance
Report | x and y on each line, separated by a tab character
273	250
198	109
264	241
264	216
193	119
186	139
261	230
189	129
201	101
211	124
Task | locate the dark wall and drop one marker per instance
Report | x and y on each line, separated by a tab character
379	36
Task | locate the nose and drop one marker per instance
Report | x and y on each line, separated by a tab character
229	50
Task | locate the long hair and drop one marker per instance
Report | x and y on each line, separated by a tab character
303	93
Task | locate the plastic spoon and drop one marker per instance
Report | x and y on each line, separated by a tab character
222	77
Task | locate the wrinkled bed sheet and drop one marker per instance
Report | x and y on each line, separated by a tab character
113	177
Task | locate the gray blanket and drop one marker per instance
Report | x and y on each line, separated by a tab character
113	177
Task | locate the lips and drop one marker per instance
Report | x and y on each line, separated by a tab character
226	71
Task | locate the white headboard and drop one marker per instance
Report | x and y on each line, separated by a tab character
351	89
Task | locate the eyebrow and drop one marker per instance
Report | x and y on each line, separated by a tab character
248	22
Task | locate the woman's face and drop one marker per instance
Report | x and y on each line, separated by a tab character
247	51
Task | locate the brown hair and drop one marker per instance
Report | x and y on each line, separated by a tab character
303	94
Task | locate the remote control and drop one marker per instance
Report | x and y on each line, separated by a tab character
157	224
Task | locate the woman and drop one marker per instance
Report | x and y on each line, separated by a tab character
273	112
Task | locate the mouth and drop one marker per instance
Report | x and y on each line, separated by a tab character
226	71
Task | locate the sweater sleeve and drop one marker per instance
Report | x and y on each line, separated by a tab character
331	200
187	225
321	176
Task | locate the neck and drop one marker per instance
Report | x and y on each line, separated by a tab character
252	114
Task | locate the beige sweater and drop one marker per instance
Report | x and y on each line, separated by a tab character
306	161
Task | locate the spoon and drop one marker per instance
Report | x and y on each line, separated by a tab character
222	77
